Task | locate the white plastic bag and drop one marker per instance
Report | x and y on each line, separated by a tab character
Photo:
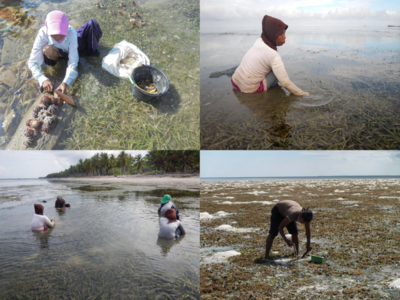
123	58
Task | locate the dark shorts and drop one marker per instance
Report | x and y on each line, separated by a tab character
276	220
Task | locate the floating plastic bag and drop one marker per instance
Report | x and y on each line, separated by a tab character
123	58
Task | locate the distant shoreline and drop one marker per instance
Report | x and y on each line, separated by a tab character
204	179
188	180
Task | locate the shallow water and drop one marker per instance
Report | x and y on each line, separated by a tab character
105	245
351	73
108	116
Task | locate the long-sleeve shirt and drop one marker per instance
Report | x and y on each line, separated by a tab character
69	45
40	222
256	64
168	230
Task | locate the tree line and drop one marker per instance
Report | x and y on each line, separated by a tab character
154	162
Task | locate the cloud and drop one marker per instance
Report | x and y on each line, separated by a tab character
250	13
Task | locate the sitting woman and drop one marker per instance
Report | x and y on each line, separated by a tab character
58	40
166	204
170	227
39	221
262	66
60	203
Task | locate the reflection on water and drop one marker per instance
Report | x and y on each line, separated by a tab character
351	74
100	247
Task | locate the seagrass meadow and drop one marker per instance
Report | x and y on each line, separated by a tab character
108	116
355	229
352	76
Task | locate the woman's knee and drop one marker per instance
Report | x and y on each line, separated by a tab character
51	52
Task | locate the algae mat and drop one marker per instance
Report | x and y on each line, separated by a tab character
355	228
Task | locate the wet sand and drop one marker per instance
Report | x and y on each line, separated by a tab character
355	228
187	180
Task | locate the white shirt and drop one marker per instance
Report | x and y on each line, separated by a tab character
167	231
256	64
39	222
167	205
69	45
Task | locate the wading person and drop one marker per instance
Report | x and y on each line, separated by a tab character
285	214
262	67
166	204
39	221
58	40
170	227
60	203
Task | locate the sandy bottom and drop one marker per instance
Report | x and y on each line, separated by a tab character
355	229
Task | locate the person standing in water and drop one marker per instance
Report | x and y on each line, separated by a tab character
262	67
170	227
285	214
166	203
58	40
39	221
60	203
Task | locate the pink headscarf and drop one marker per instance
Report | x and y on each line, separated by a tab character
57	23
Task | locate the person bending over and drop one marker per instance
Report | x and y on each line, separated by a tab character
285	214
39	221
58	40
262	66
170	227
166	203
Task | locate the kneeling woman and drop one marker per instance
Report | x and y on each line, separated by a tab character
58	40
262	66
41	222
170	227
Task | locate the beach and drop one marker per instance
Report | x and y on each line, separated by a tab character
355	229
186	180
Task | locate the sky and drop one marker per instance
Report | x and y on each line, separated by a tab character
35	164
233	15
298	163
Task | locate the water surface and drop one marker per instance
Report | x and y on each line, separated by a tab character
104	246
352	75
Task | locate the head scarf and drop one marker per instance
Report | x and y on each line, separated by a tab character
165	199
57	23
271	29
170	214
39	209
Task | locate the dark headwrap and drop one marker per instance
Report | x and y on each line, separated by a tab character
271	29
39	209
170	214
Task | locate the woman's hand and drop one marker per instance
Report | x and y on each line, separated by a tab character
309	248
47	86
62	88
306	94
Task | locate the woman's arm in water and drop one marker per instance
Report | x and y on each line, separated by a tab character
280	72
180	227
49	223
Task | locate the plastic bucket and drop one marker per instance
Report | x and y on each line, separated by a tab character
317	259
148	72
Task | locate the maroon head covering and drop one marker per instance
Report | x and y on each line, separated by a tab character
271	29
170	214
39	209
